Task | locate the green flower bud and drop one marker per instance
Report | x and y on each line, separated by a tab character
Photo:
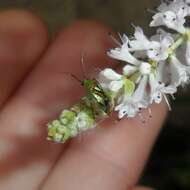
58	132
67	117
85	120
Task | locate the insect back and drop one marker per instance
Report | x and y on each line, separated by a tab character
101	101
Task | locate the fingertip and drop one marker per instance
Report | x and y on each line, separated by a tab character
23	38
89	38
88	30
25	18
24	31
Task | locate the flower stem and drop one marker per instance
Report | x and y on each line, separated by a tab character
176	44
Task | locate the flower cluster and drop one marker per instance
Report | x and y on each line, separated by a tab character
157	65
71	122
154	68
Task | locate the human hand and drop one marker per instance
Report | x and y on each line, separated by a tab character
33	91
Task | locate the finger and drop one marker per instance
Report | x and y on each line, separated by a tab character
111	157
42	96
23	38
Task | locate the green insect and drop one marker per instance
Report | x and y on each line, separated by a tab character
98	96
100	100
83	115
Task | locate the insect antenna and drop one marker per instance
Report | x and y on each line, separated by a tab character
73	76
83	66
76	78
92	74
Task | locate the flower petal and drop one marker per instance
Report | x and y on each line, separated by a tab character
163	75
187	53
123	54
127	108
170	20
155	89
145	68
178	72
169	90
129	70
110	74
141	42
180	7
141	89
115	86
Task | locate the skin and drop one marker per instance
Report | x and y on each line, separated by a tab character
34	91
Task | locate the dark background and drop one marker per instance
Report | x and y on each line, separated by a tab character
169	165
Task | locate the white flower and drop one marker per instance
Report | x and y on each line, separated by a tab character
160	52
140	41
180	7
179	73
169	19
143	68
110	80
173	73
115	83
158	90
187	53
130	105
122	53
183	53
156	48
153	63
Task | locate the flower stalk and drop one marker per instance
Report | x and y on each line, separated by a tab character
153	69
176	44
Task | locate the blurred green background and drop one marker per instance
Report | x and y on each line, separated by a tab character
169	165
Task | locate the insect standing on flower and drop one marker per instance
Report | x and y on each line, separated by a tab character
99	98
152	69
96	93
85	114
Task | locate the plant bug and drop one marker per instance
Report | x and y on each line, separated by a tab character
97	95
101	101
